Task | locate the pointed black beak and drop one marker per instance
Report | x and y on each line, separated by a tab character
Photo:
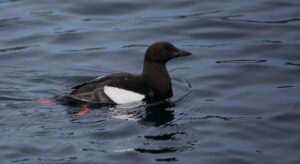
180	52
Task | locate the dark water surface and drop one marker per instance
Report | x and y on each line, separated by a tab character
237	99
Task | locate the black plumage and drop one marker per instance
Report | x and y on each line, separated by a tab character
154	82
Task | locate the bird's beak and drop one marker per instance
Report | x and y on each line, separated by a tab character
180	52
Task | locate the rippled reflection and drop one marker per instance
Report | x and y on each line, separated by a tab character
158	114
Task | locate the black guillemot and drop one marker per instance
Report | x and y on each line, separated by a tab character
153	84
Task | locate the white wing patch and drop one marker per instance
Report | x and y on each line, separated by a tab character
122	96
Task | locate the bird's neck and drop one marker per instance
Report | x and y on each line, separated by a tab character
157	76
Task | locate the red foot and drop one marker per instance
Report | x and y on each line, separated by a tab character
44	101
83	110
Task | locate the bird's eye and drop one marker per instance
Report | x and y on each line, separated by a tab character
162	50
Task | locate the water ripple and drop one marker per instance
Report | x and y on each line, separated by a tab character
17	48
241	61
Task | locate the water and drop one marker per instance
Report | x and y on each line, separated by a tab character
236	99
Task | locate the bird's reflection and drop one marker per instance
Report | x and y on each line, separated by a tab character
155	114
161	115
158	114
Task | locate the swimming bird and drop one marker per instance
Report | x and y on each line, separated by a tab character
153	84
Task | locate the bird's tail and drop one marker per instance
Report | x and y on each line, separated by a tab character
69	100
